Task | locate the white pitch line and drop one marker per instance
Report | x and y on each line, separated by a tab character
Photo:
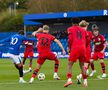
12	83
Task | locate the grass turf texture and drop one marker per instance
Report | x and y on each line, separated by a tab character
9	77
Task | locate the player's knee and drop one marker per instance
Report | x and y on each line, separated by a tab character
101	61
56	61
20	65
91	60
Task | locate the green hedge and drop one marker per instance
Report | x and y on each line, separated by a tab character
12	23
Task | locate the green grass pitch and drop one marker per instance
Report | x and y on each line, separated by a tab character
9	77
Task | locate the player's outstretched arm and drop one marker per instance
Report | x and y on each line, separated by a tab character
93	47
60	45
35	32
105	44
5	40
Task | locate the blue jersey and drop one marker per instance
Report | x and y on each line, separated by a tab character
15	42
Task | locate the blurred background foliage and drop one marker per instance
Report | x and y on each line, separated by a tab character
12	11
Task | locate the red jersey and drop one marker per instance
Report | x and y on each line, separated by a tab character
99	42
89	38
76	37
29	46
44	42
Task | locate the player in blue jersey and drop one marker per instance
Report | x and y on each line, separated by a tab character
13	52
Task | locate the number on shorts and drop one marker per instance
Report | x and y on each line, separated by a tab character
44	41
14	41
79	34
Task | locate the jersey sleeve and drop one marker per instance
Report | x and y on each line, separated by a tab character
103	39
25	42
37	35
70	39
91	35
5	40
52	37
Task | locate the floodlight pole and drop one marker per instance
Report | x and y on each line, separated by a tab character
15	5
25	30
75	5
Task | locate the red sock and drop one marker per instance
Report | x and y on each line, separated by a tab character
56	66
88	65
84	76
92	66
35	73
69	75
30	65
103	67
86	68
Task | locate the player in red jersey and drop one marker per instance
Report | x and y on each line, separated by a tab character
99	50
29	45
44	50
84	25
77	46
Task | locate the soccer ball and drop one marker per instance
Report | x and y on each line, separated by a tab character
41	76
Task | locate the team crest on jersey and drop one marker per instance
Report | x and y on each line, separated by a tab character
93	40
99	39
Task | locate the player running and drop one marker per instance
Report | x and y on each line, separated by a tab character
99	50
13	52
28	52
44	50
77	46
84	25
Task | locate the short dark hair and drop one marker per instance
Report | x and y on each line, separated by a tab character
75	20
96	29
21	32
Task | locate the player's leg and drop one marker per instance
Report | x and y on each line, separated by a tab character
92	67
53	57
20	69
79	77
101	57
31	58
30	64
86	65
18	64
103	68
72	58
25	57
83	69
35	73
56	66
24	60
69	74
40	62
93	57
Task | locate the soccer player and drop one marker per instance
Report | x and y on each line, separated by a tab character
44	50
99	50
13	52
28	52
77	46
84	25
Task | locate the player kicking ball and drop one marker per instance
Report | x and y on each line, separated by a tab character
99	51
29	45
84	25
44	50
77	46
13	52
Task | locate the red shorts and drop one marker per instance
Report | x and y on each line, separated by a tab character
28	54
88	54
97	55
77	54
44	56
